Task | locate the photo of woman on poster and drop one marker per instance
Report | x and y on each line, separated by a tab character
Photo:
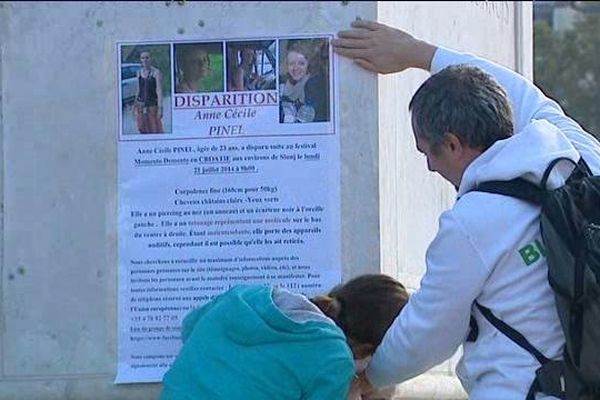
251	65
145	88
147	108
304	85
199	67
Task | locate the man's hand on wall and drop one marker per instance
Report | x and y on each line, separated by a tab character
381	48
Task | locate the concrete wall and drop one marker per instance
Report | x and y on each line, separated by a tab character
58	113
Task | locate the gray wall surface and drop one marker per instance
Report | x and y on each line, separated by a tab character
58	121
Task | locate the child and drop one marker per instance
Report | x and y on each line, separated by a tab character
260	342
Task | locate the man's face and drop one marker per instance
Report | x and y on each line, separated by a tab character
442	161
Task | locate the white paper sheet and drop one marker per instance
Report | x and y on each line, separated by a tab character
226	194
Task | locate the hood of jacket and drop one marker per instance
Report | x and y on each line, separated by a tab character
525	155
250	317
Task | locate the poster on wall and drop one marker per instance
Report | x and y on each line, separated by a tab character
229	173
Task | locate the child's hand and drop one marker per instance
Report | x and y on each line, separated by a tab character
385	393
361	388
354	393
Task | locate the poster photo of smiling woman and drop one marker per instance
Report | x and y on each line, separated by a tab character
304	81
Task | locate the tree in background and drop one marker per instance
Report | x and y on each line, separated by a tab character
567	68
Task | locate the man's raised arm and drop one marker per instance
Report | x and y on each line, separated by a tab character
380	48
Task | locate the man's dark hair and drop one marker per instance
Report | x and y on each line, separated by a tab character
465	101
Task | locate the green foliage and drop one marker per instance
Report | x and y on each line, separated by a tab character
161	59
567	69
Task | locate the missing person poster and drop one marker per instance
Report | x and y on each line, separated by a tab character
229	173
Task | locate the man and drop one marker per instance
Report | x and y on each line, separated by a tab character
463	123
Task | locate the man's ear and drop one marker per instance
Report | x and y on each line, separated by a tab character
364	350
453	143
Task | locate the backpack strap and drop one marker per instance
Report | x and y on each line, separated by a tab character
549	378
519	188
584	167
473	330
581	169
511	333
527	191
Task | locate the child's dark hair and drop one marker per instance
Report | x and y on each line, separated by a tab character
365	307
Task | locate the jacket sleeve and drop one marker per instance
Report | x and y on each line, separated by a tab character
527	101
435	320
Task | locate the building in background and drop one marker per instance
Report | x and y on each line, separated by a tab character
566	63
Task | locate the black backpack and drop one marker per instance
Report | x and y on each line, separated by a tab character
570	228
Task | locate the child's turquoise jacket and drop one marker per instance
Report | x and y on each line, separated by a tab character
242	346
